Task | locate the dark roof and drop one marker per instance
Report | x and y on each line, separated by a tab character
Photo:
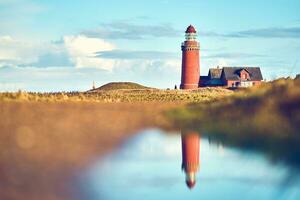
214	82
215	73
190	29
204	78
232	73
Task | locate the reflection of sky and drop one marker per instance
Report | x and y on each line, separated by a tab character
149	167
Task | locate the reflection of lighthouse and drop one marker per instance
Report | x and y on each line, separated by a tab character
190	156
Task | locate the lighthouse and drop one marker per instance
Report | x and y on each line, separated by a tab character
190	156
190	71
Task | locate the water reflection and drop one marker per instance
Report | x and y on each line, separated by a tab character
190	144
147	167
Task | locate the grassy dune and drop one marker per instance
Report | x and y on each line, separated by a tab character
120	95
120	85
265	118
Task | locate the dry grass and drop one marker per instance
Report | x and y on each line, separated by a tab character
120	85
121	95
44	145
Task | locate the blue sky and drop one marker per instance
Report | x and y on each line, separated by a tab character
66	45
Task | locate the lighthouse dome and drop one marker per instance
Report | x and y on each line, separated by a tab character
190	29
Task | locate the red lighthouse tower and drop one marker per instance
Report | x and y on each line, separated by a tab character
190	156
190	72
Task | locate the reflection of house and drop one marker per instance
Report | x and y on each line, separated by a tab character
232	77
190	156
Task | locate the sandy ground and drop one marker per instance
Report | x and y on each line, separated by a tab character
45	145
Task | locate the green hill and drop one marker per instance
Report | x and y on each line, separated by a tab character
121	86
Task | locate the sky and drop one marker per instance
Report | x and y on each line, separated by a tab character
65	45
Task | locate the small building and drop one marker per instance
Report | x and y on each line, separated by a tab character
232	77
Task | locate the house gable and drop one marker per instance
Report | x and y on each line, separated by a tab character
214	73
239	73
244	74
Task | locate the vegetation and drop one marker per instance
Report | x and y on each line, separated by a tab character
120	86
120	95
266	118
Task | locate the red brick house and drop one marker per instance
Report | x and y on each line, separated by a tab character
232	77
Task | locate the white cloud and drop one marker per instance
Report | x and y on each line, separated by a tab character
72	64
82	51
78	49
14	52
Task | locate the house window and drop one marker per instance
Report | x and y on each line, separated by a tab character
246	84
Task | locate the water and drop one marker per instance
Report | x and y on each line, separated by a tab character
155	165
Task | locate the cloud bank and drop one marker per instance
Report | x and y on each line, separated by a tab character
129	31
275	32
125	54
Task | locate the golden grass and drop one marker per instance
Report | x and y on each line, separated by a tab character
121	95
120	85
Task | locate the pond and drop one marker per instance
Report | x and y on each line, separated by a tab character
158	165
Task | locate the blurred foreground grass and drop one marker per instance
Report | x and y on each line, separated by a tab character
265	118
45	146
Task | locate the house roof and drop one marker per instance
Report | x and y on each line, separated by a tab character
215	73
215	82
232	73
204	78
